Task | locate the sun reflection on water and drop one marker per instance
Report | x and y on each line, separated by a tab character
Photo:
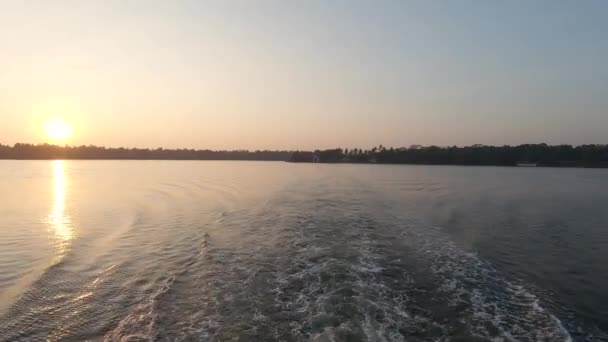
58	220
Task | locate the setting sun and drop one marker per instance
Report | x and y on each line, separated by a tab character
58	129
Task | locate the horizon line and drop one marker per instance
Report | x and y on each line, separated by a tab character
380	146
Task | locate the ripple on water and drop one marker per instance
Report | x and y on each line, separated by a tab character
322	260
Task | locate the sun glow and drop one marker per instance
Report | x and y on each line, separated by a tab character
58	129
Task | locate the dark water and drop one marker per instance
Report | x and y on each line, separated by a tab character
263	251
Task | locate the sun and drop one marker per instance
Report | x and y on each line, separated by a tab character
58	129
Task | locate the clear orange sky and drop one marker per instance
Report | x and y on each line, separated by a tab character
304	74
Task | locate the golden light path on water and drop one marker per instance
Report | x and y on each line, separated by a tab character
59	221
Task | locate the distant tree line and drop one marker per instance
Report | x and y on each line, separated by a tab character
540	154
46	151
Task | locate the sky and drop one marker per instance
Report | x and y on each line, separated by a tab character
304	74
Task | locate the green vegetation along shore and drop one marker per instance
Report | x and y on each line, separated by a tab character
523	155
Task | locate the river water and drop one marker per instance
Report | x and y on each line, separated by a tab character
273	251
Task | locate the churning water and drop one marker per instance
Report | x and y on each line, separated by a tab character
270	251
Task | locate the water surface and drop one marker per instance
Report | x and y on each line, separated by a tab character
251	251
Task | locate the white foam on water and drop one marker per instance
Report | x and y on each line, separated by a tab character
499	309
141	321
